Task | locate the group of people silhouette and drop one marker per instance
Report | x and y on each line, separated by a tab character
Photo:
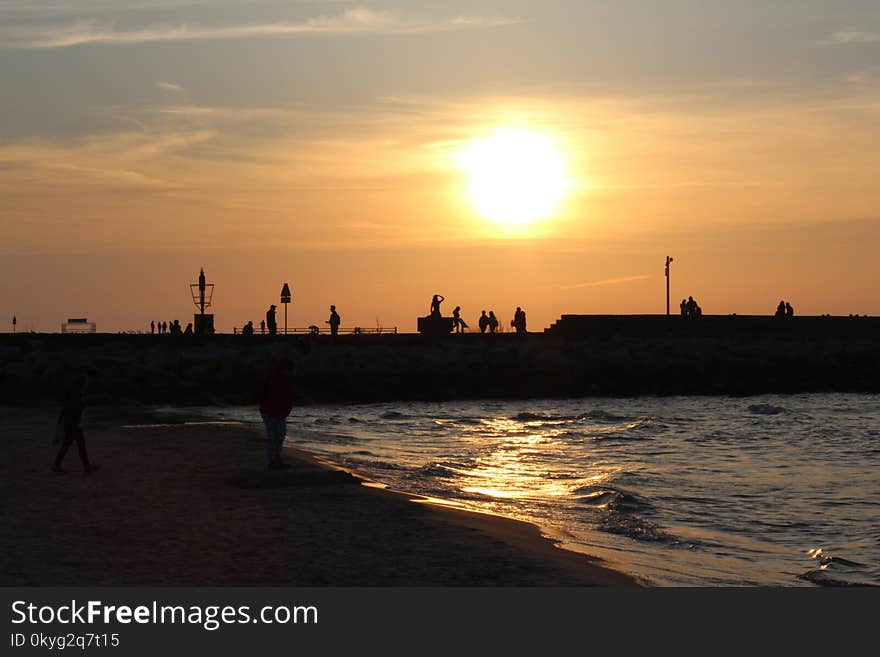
172	328
690	308
271	324
487	322
784	309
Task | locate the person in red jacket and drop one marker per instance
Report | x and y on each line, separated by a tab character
275	406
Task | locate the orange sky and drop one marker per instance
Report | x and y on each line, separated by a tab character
755	169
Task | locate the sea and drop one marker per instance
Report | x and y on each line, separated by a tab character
679	491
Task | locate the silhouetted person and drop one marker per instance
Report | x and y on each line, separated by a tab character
277	402
175	328
457	322
780	309
691	307
189	329
334	322
248	329
262	327
152	328
493	322
164	327
270	320
435	305
483	322
519	320
684	307
789	311
71	419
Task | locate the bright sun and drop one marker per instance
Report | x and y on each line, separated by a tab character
514	176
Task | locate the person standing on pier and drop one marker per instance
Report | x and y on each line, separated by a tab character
519	320
334	322
270	320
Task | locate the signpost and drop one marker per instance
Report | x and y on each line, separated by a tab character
668	261
285	299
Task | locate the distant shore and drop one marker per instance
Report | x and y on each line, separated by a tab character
587	356
192	504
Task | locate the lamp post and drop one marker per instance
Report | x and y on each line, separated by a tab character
285	299
668	261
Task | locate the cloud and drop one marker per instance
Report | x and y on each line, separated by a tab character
350	22
607	281
845	37
170	86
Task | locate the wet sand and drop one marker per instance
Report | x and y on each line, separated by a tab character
193	505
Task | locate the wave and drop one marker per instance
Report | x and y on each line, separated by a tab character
603	416
620	514
766	409
821	577
596	415
392	415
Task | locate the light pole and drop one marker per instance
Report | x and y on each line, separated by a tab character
668	261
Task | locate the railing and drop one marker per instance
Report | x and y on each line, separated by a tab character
325	330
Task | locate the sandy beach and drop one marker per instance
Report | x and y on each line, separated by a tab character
192	504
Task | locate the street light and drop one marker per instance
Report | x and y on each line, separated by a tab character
668	261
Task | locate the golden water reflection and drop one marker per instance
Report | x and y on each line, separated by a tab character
518	468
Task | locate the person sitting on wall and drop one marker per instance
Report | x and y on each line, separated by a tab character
435	305
483	322
457	322
493	322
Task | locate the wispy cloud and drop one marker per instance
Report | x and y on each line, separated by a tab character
845	37
606	281
359	20
170	86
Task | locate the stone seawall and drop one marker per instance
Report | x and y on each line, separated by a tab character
226	369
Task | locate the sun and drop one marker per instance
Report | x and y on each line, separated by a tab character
514	176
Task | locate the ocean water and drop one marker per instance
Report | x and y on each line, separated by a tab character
705	491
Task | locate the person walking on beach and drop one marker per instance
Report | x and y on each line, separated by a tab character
71	420
270	320
152	328
334	322
262	327
277	402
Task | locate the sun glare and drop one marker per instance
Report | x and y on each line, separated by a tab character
514	176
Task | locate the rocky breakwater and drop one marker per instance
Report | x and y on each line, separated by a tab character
231	369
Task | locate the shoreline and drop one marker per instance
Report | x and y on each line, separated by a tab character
528	535
191	504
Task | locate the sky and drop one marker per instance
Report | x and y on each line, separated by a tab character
315	143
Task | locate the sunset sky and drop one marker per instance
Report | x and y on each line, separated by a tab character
321	143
